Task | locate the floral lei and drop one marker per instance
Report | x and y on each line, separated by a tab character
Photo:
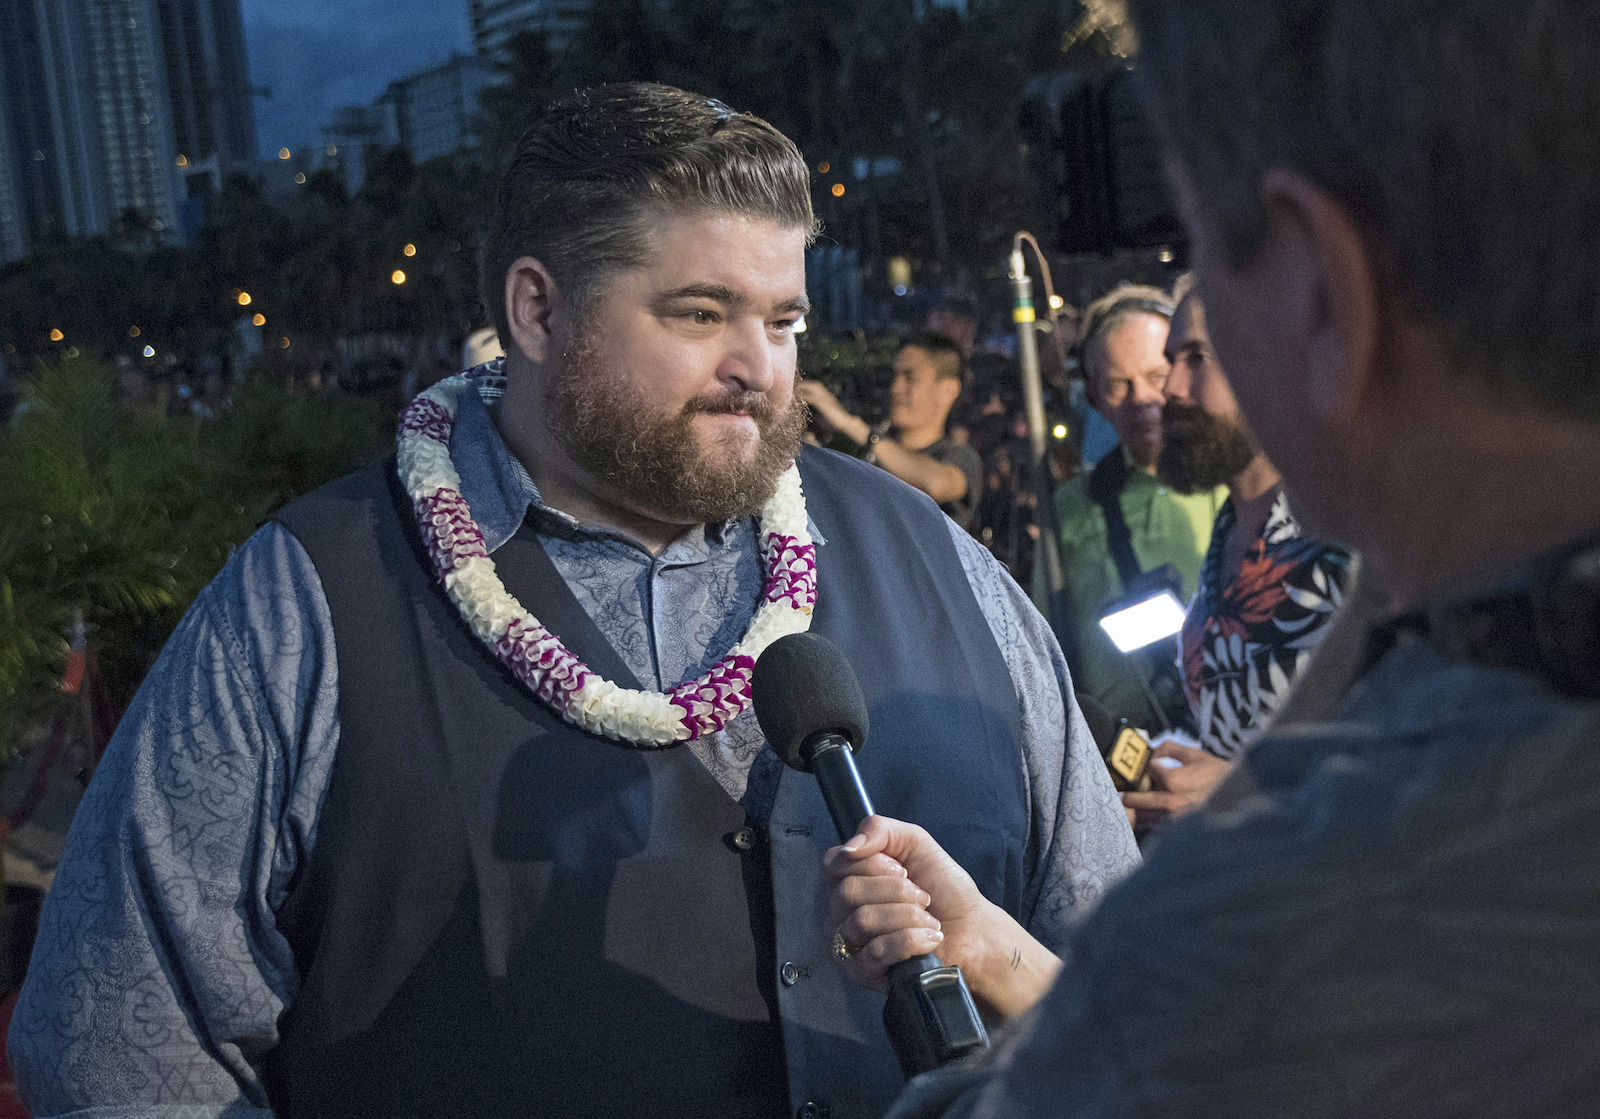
536	656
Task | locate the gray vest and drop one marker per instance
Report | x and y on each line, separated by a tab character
504	915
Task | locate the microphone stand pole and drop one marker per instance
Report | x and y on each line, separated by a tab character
1022	314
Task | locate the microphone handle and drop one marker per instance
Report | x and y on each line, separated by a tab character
834	762
930	1016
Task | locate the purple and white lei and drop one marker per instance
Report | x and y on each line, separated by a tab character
536	656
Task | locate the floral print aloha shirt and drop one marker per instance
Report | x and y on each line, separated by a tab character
1243	644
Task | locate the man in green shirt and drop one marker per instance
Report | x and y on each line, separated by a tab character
1121	502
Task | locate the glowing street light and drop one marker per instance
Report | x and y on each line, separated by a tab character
397	277
299	178
283	153
183	160
149	351
258	319
837	190
1059	431
133	332
244	299
283	343
1056	303
824	167
56	335
410	249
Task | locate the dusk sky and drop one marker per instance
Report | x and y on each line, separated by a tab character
315	55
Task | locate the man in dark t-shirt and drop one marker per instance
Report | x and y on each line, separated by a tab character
929	373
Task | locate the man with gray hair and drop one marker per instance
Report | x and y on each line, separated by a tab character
1120	526
1392	908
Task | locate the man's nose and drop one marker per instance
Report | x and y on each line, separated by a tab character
749	362
1178	384
1146	391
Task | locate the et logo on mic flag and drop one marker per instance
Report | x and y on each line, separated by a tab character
1129	758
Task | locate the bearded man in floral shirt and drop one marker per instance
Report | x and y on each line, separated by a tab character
1266	590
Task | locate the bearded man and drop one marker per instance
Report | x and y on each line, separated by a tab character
398	829
1267	589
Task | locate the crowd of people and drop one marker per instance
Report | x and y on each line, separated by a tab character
447	796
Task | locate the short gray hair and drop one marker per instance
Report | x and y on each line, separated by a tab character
1460	134
1110	311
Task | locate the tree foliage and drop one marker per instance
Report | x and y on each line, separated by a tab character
126	516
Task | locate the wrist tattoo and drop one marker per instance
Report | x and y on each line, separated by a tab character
1016	958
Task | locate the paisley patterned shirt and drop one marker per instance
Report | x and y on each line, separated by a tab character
159	974
1244	643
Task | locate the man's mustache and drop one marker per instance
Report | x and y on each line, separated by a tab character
757	405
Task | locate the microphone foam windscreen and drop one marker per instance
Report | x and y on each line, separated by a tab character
803	684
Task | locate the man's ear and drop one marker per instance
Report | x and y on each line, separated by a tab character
1327	265
949	391
532	297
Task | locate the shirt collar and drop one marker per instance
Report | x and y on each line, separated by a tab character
501	494
497	488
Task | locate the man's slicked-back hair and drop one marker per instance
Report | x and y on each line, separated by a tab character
595	171
1460	134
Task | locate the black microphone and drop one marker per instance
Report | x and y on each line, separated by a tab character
1127	753
810	707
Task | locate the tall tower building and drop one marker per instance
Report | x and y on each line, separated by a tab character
495	21
115	113
208	82
134	116
13	218
52	171
86	126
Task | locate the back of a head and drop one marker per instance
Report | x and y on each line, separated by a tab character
1108	312
1460	134
591	172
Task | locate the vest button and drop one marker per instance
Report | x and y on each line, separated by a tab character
789	973
744	838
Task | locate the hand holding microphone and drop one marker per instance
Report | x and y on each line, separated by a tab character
1182	777
897	896
876	903
810	706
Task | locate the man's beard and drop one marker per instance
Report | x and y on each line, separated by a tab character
1200	451
658	463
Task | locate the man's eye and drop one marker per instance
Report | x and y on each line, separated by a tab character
788	326
701	317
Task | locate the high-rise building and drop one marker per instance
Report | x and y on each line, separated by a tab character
115	114
13	219
52	171
495	21
208	81
353	136
430	113
133	116
433	111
